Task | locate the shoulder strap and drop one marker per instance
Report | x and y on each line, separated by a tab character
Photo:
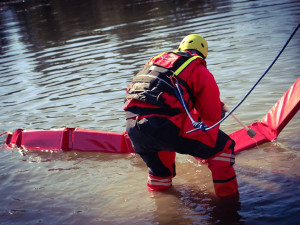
185	64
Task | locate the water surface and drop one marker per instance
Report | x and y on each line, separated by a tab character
67	63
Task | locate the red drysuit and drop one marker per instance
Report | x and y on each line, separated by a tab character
157	123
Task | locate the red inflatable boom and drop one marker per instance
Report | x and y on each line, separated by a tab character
77	139
70	139
273	122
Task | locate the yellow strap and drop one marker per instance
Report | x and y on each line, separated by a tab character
184	65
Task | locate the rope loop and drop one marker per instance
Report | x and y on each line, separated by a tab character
200	126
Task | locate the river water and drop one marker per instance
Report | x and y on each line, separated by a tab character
67	64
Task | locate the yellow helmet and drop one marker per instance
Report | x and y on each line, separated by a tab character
194	41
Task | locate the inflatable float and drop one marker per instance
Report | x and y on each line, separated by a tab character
78	139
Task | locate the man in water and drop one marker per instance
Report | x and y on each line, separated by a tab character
157	121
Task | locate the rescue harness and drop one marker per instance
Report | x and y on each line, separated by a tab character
161	75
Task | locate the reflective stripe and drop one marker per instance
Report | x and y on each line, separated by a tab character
161	182
226	154
149	75
224	159
158	69
184	65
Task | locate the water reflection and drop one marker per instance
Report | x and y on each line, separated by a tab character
58	21
67	63
189	206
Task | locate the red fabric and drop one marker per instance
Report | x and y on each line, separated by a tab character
166	60
221	164
39	139
168	159
284	110
75	139
223	173
227	189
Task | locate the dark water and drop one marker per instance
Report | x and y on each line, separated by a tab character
67	63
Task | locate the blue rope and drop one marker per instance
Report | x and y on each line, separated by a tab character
205	128
178	92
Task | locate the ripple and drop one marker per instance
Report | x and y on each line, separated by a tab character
69	66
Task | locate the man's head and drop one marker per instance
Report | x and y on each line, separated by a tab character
194	42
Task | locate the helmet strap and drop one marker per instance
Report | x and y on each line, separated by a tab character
196	52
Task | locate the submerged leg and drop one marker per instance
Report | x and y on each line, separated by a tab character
223	173
161	169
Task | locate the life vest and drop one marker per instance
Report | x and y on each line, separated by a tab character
155	79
